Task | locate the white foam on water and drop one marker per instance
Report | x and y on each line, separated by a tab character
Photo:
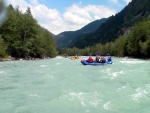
131	61
121	88
74	96
109	73
43	65
140	93
34	95
79	96
2	72
94	103
116	74
50	76
86	99
107	105
57	63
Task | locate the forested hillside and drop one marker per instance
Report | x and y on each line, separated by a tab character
134	44
22	37
125	34
68	38
117	25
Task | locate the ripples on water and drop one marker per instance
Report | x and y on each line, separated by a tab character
61	85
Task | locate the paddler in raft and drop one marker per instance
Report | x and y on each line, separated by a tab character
90	59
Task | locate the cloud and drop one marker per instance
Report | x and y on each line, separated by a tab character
21	3
127	1
83	15
48	18
75	16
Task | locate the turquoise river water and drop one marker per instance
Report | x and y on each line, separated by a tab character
61	85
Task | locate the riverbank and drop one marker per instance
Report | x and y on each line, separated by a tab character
9	58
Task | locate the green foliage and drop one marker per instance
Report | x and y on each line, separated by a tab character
138	40
137	10
125	34
136	44
24	37
3	53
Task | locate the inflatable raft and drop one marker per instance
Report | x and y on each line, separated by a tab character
84	62
74	58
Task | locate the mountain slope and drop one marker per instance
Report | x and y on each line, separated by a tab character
135	11
66	39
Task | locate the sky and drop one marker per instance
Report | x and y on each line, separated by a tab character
69	15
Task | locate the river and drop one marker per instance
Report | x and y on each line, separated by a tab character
61	85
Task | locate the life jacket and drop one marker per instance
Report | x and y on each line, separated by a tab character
90	59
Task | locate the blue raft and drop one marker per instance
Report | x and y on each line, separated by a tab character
84	62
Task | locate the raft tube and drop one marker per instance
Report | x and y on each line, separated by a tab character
84	62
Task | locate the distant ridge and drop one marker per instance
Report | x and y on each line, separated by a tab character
68	38
117	25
